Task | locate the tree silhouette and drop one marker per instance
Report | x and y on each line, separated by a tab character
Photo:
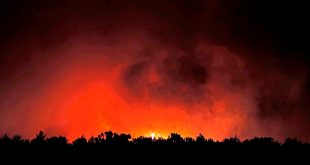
143	140
189	140
292	142
39	139
5	140
60	140
108	136
109	144
233	141
17	139
200	139
175	138
261	142
121	139
80	141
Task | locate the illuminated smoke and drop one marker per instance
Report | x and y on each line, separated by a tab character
76	69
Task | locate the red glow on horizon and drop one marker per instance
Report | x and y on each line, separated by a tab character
86	95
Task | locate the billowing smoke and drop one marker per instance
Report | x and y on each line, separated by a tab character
210	67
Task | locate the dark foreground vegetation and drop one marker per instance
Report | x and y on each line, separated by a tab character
115	147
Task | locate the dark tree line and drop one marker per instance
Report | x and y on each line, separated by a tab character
110	146
174	139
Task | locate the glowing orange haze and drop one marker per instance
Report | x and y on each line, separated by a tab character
97	107
82	92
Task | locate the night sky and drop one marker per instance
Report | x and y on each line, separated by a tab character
216	67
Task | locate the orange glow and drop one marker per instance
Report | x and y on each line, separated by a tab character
87	95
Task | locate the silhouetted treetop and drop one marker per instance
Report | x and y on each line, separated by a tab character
39	139
110	138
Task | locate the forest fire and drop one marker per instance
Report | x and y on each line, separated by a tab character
149	69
